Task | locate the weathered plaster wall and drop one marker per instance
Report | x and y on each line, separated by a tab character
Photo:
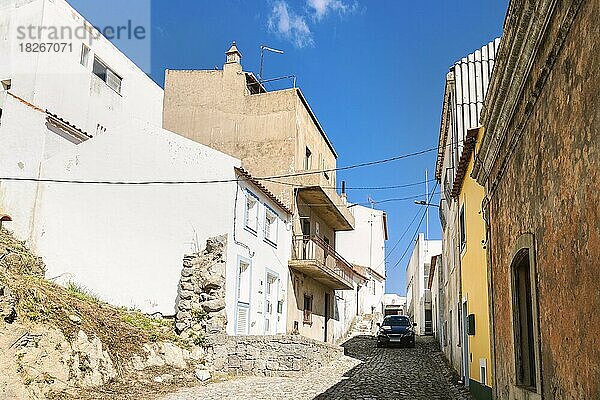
550	189
299	285
214	108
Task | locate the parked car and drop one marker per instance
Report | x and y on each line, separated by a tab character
396	329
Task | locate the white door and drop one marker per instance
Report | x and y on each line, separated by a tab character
271	290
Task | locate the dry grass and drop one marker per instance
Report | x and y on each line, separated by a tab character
123	332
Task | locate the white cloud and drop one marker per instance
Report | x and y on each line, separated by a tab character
295	26
290	25
322	7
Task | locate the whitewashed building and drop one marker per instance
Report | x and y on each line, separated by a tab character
111	200
364	247
418	296
394	304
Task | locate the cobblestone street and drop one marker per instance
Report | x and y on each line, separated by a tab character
366	372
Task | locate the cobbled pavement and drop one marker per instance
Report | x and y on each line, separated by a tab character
364	373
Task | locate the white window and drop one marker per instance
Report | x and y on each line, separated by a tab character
243	297
85	55
243	292
270	304
270	226
102	71
251	214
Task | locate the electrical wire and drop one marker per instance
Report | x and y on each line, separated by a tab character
416	230
216	181
405	185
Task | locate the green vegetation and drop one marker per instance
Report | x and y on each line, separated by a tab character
81	292
122	331
199	315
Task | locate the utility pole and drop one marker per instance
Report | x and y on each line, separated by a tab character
427	206
370	199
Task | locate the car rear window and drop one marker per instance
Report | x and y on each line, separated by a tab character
397	321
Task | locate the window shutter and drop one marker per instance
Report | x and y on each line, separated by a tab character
242	321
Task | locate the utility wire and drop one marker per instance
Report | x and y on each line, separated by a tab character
416	230
400	239
405	185
215	181
366	203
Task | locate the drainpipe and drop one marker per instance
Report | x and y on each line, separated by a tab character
244	245
487	245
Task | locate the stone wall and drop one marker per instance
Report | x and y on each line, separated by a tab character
280	355
548	188
201	293
201	317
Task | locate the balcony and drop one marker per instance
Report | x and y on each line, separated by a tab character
315	258
318	193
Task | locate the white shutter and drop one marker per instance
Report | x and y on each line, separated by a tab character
242	321
113	81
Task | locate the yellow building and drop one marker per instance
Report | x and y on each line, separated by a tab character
474	283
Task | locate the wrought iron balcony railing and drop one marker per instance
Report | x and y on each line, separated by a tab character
313	248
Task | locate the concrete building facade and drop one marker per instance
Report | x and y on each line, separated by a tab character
418	296
464	93
364	247
394	304
275	134
126	242
539	163
464	277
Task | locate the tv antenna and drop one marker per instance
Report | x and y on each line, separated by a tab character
264	48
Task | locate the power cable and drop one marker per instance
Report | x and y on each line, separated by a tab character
416	230
215	181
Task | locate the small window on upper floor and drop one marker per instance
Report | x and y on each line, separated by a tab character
85	55
6	84
102	71
463	228
251	213
270	226
307	159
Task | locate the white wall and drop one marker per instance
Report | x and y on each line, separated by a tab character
416	272
345	312
365	246
126	243
263	257
57	82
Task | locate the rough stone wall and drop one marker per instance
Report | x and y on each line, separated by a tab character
550	188
281	355
201	292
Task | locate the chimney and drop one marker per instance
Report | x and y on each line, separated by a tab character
233	58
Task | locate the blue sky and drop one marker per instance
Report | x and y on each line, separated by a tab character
373	72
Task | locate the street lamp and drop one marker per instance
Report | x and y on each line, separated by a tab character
424	203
